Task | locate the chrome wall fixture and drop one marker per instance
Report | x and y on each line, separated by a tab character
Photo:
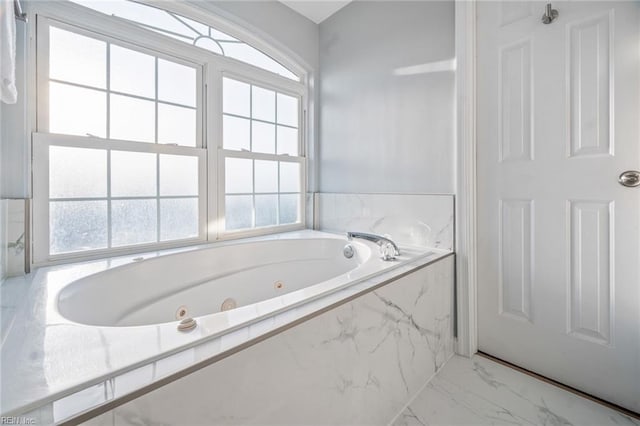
550	14
20	15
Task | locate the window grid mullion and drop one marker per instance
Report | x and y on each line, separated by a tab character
155	101
158	221
275	127
251	118
108	91
109	215
278	208
259	120
253	194
158	217
108	134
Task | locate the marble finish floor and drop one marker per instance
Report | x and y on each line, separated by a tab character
479	391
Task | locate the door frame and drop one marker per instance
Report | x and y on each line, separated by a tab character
466	178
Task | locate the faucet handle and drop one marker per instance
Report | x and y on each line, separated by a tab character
388	251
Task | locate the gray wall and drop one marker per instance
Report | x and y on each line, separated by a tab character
14	142
381	131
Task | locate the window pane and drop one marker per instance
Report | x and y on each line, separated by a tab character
209	44
238	175
133	174
263	104
289	177
77	226
132	119
77	172
238	211
287	141
133	222
136	12
132	72
178	175
287	110
77	59
266	210
77	111
266	176
289	208
253	56
263	137
178	218
176	125
176	83
236	133
235	97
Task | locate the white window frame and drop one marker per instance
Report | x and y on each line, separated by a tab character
209	150
223	154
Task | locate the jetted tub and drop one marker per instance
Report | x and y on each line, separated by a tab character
87	326
213	279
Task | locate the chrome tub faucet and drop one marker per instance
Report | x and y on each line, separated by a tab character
388	249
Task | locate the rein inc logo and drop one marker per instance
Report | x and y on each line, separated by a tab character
16	420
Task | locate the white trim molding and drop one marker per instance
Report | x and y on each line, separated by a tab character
466	277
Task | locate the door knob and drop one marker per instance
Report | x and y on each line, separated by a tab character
629	178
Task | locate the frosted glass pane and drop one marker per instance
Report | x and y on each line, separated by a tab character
77	111
133	174
77	59
238	174
287	110
176	125
264	137
266	210
178	218
263	105
287	140
133	222
176	83
235	97
266	176
178	175
132	72
289	177
132	119
238	211
289	209
236	133
77	226
77	172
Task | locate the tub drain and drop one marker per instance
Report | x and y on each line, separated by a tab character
228	304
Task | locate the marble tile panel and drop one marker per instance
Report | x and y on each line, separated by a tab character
479	391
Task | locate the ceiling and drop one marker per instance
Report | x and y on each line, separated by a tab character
317	11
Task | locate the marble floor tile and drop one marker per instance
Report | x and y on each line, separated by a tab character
479	391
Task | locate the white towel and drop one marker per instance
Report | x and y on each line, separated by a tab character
8	92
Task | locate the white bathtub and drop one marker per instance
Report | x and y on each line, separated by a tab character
90	325
158	290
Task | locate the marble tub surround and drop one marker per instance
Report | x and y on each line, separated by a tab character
60	369
15	237
422	220
356	364
479	391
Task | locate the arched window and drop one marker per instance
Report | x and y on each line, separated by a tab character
143	142
188	31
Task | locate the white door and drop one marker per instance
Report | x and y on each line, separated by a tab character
558	121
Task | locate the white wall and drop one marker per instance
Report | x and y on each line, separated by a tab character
386	121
